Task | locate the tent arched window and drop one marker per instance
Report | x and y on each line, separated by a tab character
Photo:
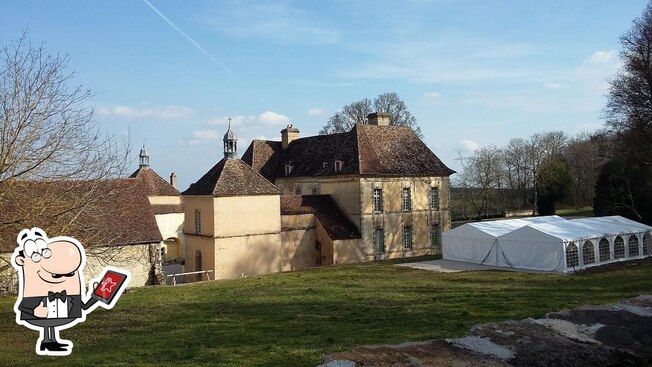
603	248
588	253
619	248
572	257
632	245
647	244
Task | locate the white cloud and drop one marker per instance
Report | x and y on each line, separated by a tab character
206	134
601	57
469	145
157	112
235	120
273	118
555	86
432	96
267	118
315	112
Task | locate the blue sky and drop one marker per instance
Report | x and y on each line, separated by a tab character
473	73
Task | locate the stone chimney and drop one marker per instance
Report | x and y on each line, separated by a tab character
173	180
379	119
288	134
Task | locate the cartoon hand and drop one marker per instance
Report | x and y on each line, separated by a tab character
41	311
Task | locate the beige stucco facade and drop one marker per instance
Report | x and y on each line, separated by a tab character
239	235
354	195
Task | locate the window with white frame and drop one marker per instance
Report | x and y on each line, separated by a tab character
632	245
619	248
434	198
407	237
603	249
197	221
338	166
378	200
588	253
406	199
572	257
379	240
435	236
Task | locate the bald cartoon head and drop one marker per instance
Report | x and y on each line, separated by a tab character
48	265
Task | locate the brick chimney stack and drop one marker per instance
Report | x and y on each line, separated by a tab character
173	180
287	135
379	119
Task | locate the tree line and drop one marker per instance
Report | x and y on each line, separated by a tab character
534	174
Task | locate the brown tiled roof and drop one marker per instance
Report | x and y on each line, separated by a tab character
332	218
262	156
167	208
105	213
232	177
155	185
366	150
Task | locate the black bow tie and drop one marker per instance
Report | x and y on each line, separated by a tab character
52	296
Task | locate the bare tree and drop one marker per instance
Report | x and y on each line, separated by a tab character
356	113
517	170
49	142
482	179
582	158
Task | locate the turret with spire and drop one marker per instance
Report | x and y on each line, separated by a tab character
230	143
144	158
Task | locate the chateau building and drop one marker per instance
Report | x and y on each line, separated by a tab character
375	192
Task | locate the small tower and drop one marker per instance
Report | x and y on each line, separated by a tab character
144	158
230	143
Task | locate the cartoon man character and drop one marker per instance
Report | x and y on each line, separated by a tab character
51	288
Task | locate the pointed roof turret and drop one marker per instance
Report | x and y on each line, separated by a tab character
230	143
143	158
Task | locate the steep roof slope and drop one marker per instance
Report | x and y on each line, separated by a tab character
366	150
263	156
154	184
232	177
335	222
108	212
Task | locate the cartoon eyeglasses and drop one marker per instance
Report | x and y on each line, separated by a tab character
37	250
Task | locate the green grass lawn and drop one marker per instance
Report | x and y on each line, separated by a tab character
576	212
293	319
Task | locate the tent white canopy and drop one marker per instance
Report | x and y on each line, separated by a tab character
476	242
549	243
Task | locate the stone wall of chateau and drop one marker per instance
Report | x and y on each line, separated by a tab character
171	227
247	255
300	242
393	219
246	215
140	260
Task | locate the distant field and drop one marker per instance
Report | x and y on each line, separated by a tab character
580	212
292	319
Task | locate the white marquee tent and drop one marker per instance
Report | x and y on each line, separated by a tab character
549	243
476	242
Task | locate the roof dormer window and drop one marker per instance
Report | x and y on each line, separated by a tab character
338	166
288	169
